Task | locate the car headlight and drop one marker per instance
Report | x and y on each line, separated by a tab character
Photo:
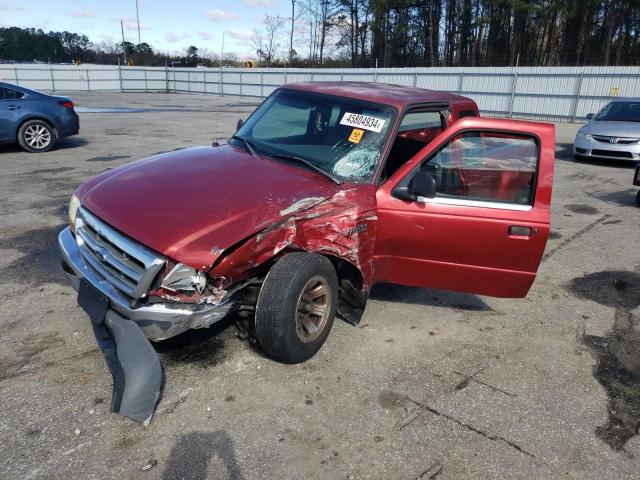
185	279
586	136
74	204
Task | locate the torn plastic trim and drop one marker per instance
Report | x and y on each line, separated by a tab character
141	368
132	361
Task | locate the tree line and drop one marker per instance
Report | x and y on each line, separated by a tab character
404	33
29	45
389	33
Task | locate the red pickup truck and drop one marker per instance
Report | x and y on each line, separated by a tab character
324	191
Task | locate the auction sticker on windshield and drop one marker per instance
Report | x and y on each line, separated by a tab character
362	121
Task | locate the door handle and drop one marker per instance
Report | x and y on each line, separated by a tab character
519	231
13	107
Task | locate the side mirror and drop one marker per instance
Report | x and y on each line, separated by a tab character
590	116
239	123
423	184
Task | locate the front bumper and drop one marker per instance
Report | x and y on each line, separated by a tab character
595	149
157	321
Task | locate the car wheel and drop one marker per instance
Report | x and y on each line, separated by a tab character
36	136
638	198
296	307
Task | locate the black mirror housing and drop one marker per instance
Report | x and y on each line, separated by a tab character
239	123
423	184
590	116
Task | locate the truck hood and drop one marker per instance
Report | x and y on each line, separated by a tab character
192	204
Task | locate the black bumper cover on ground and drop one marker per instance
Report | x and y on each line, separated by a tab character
134	364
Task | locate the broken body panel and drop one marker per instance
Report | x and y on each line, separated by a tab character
230	213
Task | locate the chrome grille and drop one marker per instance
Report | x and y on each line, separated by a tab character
616	140
127	265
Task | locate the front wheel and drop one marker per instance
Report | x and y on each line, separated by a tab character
296	307
36	136
638	198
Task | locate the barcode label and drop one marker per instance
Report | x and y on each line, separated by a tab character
362	121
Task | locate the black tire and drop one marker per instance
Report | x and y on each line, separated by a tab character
280	314
638	198
36	136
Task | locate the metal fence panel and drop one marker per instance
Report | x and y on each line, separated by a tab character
553	93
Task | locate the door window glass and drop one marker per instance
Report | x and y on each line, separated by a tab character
493	167
418	127
8	94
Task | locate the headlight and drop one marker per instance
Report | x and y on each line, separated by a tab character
74	204
184	278
586	136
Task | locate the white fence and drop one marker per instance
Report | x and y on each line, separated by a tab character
550	93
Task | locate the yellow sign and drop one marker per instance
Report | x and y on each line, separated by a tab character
614	91
356	135
248	64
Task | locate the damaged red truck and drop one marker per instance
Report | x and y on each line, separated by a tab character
325	190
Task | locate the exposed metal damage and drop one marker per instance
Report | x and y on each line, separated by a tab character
340	227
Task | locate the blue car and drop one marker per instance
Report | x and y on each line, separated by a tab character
35	120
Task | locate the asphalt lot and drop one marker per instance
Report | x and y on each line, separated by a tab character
431	384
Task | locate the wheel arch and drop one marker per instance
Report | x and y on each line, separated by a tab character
40	117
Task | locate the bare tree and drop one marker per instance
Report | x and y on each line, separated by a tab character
267	40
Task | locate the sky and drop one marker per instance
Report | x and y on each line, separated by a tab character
168	26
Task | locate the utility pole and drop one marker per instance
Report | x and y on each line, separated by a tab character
293	16
124	47
138	19
222	51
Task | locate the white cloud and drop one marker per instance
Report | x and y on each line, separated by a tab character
216	15
13	7
132	24
173	37
239	34
86	13
258	3
205	35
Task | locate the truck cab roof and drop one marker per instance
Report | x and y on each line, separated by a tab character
399	96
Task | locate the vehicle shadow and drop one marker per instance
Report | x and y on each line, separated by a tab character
621	198
191	455
70	142
424	296
62	144
202	347
564	152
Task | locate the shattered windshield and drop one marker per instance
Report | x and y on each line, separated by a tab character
341	136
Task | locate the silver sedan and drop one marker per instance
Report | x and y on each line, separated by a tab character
612	133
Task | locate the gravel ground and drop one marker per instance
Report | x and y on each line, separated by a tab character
430	384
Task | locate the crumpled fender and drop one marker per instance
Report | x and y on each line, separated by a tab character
343	226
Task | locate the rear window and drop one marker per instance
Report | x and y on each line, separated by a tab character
8	94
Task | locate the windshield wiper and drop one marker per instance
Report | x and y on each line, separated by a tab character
312	166
247	144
